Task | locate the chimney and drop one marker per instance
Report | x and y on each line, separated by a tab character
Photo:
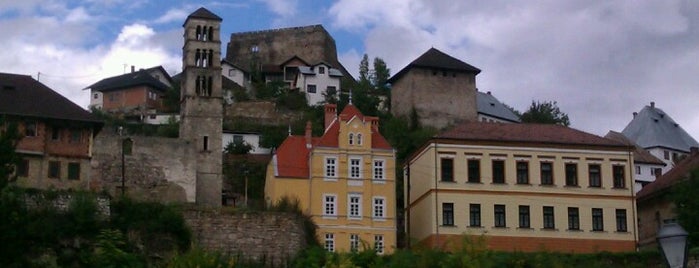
308	134
489	93
330	114
652	104
374	121
635	114
133	69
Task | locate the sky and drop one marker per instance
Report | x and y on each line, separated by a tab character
599	60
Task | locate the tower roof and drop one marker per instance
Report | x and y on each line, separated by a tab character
203	13
433	58
652	127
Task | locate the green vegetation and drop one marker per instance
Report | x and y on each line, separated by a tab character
687	205
9	137
546	112
39	233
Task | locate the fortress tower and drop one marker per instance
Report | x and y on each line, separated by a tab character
201	102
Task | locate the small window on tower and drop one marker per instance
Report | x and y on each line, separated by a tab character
206	143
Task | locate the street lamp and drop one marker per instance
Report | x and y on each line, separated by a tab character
672	239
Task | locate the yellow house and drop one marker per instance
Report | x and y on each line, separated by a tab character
524	187
344	179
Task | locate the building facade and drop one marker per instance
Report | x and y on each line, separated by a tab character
344	180
524	187
317	81
57	135
491	110
439	87
138	92
646	166
655	202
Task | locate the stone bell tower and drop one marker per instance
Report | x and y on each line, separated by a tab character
201	101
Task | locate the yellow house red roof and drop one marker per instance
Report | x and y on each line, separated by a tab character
292	155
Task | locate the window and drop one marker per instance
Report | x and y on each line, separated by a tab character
23	168
475	215
355	168
75	135
597	219
74	171
618	172
351	139
571	174
524	217
311	89
522	172
379	207
329	205
359	138
573	219
321	69
331	91
378	244
546	173
206	143
500	216
378	170
447	169
237	138
354	206
330	242
56	133
474	170
498	171
638	170
54	169
549	220
354	242
95	96
666	155
594	174
30	129
448	214
621	220
330	167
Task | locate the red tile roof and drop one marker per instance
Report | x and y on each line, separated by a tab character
292	155
527	133
672	177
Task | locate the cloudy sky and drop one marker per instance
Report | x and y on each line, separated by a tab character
600	60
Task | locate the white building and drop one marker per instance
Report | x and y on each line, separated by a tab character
251	138
318	80
657	133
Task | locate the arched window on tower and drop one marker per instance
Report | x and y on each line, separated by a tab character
211	57
204	60
198	84
210	86
198	36
211	33
204	34
197	58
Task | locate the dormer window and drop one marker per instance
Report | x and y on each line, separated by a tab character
321	69
351	139
359	139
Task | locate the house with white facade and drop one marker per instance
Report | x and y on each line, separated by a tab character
318	80
235	73
655	131
491	110
251	138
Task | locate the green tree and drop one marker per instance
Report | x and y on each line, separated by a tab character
545	113
364	78
687	205
9	137
238	147
381	75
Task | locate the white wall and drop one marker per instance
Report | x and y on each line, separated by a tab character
96	99
321	81
249	138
